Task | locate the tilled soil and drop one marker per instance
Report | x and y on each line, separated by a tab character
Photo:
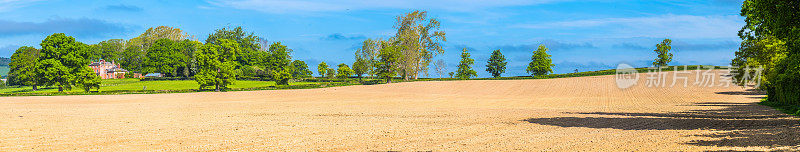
567	114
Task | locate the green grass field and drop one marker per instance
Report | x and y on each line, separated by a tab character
111	86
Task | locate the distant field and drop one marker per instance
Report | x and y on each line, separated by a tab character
134	85
4	71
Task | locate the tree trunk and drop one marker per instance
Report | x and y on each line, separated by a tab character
60	89
35	88
217	87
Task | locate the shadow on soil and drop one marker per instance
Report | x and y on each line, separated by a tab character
741	124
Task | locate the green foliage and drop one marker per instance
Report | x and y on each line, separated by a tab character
367	55
87	79
419	41
248	44
164	57
330	73
465	66
279	58
322	68
23	66
764	20
388	64
300	69
110	50
360	67
283	77
754	53
153	34
61	59
132	57
496	64
663	55
541	64
344	71
216	64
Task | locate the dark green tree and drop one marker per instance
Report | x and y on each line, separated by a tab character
322	67
344	71
663	56
300	69
541	64
23	67
61	60
217	64
330	73
496	64
465	66
164	57
248	43
388	62
765	19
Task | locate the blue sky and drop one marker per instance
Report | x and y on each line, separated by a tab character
581	34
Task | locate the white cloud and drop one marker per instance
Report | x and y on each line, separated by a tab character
674	26
7	5
302	6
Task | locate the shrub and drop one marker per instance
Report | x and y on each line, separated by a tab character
282	77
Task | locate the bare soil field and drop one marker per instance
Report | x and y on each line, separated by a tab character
568	114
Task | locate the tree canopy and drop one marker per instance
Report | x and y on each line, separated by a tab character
496	64
663	56
465	66
540	64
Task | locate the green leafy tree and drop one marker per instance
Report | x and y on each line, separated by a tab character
465	66
663	55
248	44
300	69
361	67
153	34
764	52
61	60
368	54
389	60
217	64
187	48
23	67
131	59
344	71
322	68
778	19
541	64
330	73
164	57
279	58
283	77
110	50
420	39
87	79
496	64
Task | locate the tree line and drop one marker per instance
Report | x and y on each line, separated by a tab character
227	54
771	40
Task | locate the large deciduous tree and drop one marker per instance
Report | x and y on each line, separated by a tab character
465	66
248	44
367	55
778	19
300	69
540	64
23	67
663	54
216	64
496	64
388	62
421	40
322	67
63	62
164	57
343	71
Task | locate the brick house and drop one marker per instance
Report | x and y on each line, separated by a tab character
108	70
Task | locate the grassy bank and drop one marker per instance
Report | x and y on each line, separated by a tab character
788	109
